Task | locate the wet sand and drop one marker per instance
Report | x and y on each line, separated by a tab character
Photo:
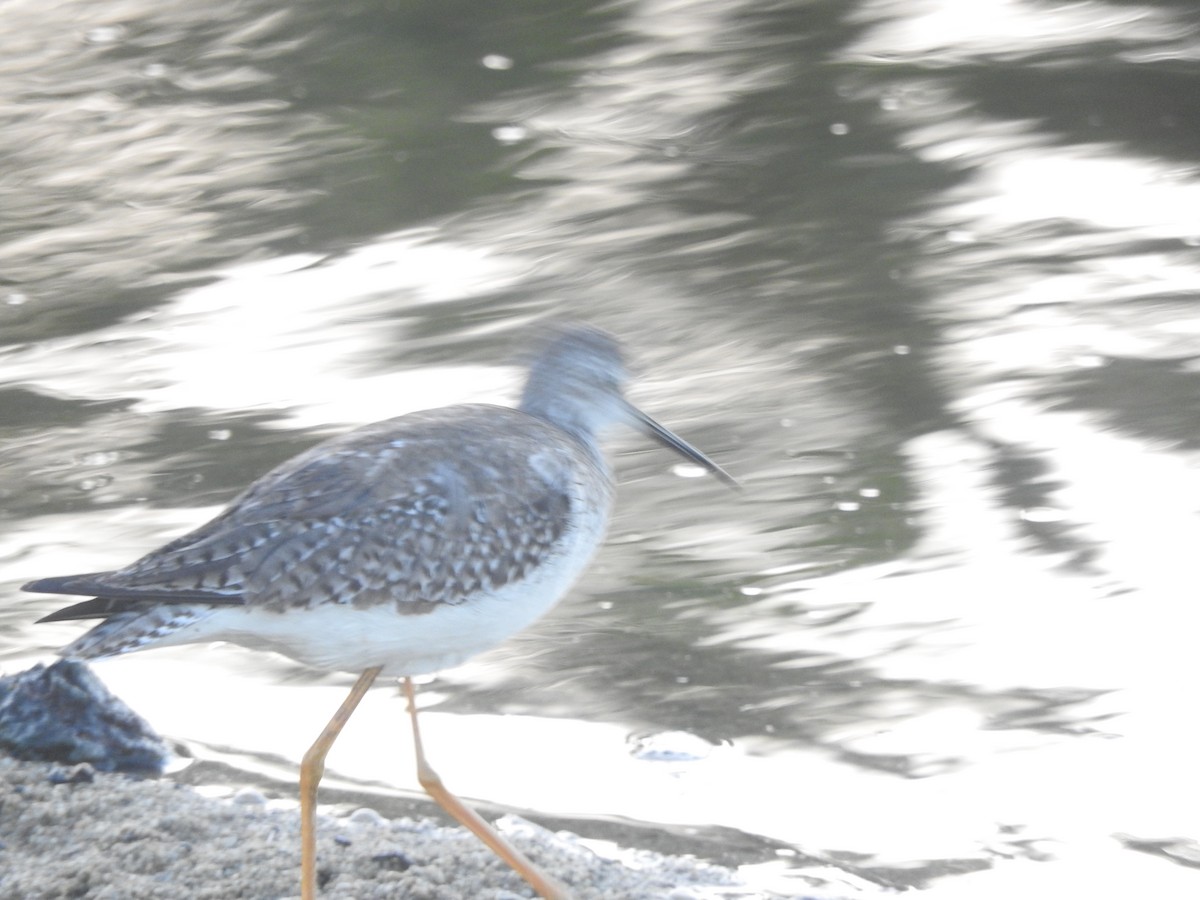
75	833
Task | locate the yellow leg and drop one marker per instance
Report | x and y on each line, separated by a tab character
546	886
311	769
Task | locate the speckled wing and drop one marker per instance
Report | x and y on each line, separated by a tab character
414	511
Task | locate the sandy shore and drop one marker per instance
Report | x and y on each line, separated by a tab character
70	831
74	833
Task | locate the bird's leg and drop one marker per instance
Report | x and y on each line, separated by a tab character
311	769
547	887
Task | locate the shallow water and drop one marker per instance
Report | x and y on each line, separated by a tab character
921	279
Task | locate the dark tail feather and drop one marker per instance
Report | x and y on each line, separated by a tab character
91	583
96	608
111	599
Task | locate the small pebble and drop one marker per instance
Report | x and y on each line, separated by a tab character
83	773
367	817
249	797
394	861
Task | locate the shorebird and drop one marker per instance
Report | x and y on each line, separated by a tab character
397	549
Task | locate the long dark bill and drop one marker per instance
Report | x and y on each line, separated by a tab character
679	445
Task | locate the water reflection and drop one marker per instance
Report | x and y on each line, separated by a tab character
942	33
935	314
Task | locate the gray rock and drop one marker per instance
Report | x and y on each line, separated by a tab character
63	713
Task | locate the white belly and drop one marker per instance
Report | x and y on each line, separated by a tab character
348	638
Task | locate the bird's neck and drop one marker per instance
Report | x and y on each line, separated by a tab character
579	420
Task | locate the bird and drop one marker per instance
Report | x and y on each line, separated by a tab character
397	549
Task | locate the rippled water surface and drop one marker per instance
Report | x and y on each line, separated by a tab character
922	275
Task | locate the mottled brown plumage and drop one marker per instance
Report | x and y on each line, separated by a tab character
380	515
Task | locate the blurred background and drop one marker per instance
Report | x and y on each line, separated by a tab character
922	275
